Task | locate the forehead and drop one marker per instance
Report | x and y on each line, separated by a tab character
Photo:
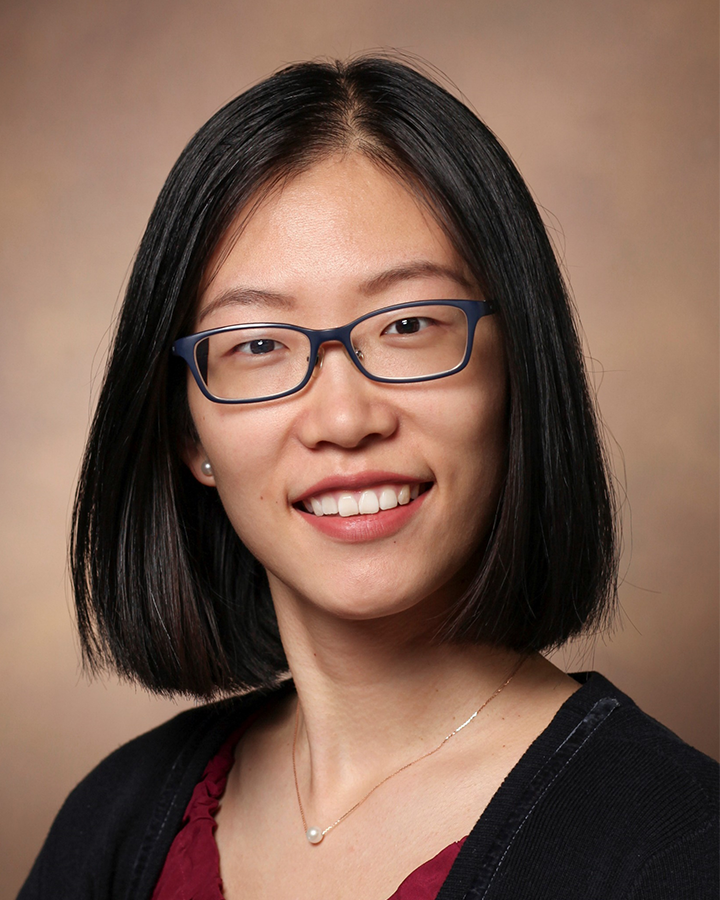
330	232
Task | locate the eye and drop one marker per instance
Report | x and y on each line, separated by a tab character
258	347
410	325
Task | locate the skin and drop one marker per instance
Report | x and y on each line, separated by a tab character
357	618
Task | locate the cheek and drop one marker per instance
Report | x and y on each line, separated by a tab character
489	436
252	501
473	446
488	413
244	446
485	471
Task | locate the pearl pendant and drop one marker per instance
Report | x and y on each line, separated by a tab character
314	835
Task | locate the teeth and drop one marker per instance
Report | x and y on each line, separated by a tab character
368	503
388	499
329	506
363	503
347	505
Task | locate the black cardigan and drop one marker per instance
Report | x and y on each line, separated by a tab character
605	804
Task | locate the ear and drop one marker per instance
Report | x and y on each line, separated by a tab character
196	460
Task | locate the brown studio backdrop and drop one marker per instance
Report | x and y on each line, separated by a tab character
608	109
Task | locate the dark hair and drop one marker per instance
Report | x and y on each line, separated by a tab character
165	591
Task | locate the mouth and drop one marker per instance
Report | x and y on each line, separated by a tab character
369	501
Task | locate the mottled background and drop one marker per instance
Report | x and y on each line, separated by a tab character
609	109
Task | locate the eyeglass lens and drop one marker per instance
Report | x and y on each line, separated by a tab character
254	361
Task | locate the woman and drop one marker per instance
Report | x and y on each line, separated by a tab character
345	432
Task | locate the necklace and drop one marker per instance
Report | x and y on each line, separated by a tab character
315	834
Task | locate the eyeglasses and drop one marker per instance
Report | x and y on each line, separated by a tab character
396	345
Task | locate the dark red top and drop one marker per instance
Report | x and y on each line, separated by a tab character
192	866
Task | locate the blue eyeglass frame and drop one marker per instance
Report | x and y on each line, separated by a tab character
474	310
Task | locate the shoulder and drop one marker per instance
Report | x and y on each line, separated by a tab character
631	750
606	804
117	823
627	798
138	771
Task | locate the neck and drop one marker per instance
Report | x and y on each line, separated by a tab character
375	694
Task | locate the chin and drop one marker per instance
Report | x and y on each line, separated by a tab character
394	602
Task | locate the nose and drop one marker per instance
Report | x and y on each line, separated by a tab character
343	407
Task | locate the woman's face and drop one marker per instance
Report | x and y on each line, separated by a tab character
337	241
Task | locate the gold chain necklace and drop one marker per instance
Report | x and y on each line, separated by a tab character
315	834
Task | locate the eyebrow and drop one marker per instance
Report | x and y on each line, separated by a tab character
419	269
274	300
246	297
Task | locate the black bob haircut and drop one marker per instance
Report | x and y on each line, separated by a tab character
166	593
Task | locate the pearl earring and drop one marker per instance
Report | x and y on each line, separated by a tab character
206	468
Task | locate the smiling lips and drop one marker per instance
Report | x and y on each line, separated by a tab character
367	506
363	503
